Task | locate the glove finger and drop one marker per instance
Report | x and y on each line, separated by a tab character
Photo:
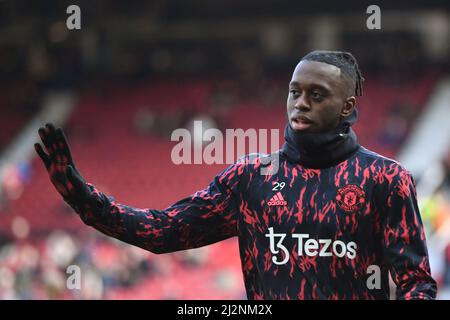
54	143
63	144
51	135
44	157
43	134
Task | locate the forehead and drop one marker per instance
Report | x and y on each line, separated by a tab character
317	73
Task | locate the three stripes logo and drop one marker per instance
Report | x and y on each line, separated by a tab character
277	200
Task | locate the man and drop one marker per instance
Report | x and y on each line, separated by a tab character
331	223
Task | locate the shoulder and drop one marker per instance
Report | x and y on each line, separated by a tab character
246	167
256	161
390	175
382	164
253	162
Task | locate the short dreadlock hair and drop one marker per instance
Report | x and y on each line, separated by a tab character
344	61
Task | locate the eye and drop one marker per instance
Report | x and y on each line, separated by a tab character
294	92
316	95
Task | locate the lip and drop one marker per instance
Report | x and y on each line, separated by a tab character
301	118
300	122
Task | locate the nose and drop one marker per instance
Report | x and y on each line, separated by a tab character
301	103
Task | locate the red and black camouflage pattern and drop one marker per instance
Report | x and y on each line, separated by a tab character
362	212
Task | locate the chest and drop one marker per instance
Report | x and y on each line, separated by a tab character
333	202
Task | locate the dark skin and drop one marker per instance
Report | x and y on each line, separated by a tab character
319	97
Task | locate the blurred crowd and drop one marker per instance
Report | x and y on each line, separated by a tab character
92	266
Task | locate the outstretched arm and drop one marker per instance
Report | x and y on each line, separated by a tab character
208	216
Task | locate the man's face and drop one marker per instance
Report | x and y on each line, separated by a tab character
317	97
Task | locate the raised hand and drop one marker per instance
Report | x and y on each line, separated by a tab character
60	166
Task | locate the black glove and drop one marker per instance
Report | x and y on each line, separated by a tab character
62	171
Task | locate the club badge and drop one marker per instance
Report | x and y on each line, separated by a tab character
351	198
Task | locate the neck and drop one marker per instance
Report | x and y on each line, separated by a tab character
321	150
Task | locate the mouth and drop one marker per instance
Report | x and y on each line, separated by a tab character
300	122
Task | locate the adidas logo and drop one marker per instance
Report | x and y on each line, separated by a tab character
277	200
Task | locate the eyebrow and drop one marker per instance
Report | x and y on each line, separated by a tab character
314	85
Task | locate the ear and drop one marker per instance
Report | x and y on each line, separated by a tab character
348	106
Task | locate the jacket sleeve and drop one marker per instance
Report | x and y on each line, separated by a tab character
208	216
404	241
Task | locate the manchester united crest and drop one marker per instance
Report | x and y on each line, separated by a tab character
351	198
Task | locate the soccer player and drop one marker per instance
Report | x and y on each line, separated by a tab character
332	222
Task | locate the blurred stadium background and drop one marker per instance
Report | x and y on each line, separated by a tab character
139	69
